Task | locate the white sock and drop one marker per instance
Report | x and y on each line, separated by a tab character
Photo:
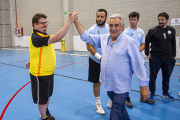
97	100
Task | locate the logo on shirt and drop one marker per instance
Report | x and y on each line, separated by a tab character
169	32
139	34
98	32
131	34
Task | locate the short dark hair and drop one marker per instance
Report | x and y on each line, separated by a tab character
36	18
163	14
133	15
102	10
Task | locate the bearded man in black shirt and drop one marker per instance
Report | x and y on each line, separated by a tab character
162	54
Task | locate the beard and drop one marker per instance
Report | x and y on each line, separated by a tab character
100	24
161	24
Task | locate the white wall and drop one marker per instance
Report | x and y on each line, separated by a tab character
22	41
148	9
57	45
79	45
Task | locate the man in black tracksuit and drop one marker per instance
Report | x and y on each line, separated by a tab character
162	54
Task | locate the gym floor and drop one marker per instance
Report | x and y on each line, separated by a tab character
73	97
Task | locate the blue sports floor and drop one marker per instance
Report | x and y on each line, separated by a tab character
73	96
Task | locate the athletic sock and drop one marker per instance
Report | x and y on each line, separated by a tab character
97	100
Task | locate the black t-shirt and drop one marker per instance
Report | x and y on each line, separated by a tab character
39	39
163	42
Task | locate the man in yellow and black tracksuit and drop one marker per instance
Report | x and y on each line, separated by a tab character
43	61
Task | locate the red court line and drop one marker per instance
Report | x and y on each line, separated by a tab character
14	62
11	100
63	66
72	62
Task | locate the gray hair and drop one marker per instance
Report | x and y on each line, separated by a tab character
117	16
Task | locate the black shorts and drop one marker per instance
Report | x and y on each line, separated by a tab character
94	71
42	88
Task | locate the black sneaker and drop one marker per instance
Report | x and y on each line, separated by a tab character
49	116
148	101
128	102
43	119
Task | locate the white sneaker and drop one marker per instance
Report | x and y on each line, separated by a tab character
109	104
99	109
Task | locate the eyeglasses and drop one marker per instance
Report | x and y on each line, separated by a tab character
43	23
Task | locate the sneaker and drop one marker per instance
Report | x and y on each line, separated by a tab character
50	118
99	109
152	95
148	101
168	96
44	119
128	102
48	115
109	104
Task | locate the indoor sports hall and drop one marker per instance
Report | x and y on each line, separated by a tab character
73	97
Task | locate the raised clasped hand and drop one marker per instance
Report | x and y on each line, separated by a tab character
73	15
